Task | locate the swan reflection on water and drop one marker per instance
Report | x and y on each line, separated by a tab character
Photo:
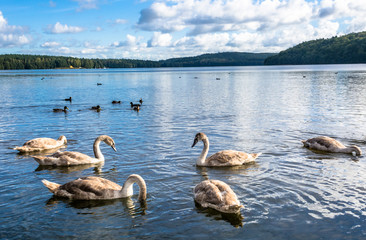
64	169
127	203
235	219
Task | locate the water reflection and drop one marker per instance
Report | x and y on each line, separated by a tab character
63	169
235	219
127	203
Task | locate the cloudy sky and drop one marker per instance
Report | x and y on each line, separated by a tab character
161	29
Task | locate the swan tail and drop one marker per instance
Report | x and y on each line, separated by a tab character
21	149
51	185
40	160
255	155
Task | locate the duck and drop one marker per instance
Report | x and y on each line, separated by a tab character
61	110
217	195
136	108
223	158
115	102
135	105
141	101
77	158
98	84
68	99
42	144
97	108
97	188
328	144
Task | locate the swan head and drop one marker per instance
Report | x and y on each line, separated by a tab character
356	151
199	137
63	139
109	141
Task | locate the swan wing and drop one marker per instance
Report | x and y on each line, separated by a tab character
88	188
323	143
207	193
230	158
66	159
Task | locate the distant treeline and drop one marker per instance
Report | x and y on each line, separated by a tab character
18	61
349	48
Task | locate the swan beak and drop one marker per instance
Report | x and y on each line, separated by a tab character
114	148
195	142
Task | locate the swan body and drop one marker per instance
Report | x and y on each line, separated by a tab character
60	109
42	144
222	158
327	144
97	188
217	195
77	158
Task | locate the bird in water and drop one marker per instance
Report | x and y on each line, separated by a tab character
68	99
97	188
222	158
42	144
217	195
96	108
61	110
77	158
141	101
135	105
116	102
136	108
327	144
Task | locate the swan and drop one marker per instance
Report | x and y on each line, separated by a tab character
76	158
217	195
327	144
41	144
222	158
60	109
97	188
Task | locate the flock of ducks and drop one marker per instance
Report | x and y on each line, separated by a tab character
97	108
208	193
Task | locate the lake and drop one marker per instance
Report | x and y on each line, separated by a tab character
289	193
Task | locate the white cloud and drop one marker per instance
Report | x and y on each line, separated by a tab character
58	28
50	44
120	21
87	4
11	36
160	40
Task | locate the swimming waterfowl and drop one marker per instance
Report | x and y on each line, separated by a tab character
115	102
217	195
77	158
222	158
98	84
60	109
327	144
97	188
42	144
97	108
68	99
135	105
141	101
136	108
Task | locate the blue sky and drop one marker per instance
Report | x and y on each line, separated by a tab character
161	29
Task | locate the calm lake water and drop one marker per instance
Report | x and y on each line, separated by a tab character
290	193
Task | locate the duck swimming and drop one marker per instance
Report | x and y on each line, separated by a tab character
115	102
134	105
327	144
77	158
61	110
97	108
217	195
42	144
97	188
222	158
68	99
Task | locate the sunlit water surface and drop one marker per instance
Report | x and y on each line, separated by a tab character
290	193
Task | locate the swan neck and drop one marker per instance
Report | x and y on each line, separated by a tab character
202	158
97	153
127	189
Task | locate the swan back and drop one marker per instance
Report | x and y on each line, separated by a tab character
41	144
327	144
217	195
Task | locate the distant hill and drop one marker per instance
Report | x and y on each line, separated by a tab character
218	59
349	48
19	61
